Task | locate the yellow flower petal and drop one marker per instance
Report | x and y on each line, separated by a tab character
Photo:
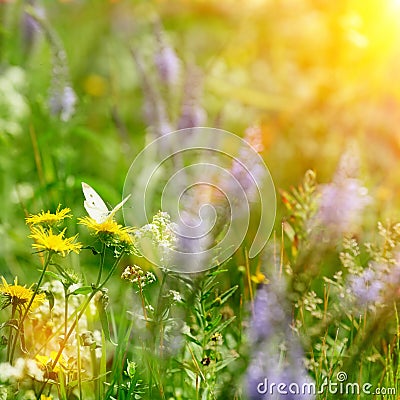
47	240
108	228
20	295
47	218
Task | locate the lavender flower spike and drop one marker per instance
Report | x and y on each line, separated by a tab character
62	102
192	113
276	356
166	61
343	200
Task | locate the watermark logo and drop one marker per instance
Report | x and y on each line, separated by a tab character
340	386
210	182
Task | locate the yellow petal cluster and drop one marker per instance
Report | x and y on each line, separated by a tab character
20	295
57	243
48	218
108	227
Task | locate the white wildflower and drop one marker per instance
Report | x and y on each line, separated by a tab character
175	296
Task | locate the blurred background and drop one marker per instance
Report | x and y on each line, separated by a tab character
84	85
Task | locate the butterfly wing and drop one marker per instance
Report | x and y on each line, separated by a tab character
94	204
118	206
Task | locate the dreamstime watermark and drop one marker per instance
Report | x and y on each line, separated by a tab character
340	387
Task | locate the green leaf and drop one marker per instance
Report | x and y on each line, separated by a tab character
82	290
130	369
103	367
4	302
50	299
187	366
222	364
104	321
213	324
53	275
62	388
226	295
192	339
220	328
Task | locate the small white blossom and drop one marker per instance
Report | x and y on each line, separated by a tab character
13	104
23	368
175	296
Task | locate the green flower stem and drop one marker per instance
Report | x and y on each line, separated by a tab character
143	302
66	297
10	335
78	349
111	271
82	311
21	322
158	312
102	258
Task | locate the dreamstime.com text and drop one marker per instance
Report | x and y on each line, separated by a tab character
340	387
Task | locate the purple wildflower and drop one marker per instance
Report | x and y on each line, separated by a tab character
374	286
168	64
343	200
192	113
62	97
270	338
365	288
166	60
249	168
269	314
30	28
154	109
62	102
156	116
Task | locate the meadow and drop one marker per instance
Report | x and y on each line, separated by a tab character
199	199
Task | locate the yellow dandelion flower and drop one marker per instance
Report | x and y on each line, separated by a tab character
108	228
259	277
20	296
95	85
44	397
47	240
45	361
47	218
124	235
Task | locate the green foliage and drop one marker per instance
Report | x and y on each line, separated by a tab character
313	75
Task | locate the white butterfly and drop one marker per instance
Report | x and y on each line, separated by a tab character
95	206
